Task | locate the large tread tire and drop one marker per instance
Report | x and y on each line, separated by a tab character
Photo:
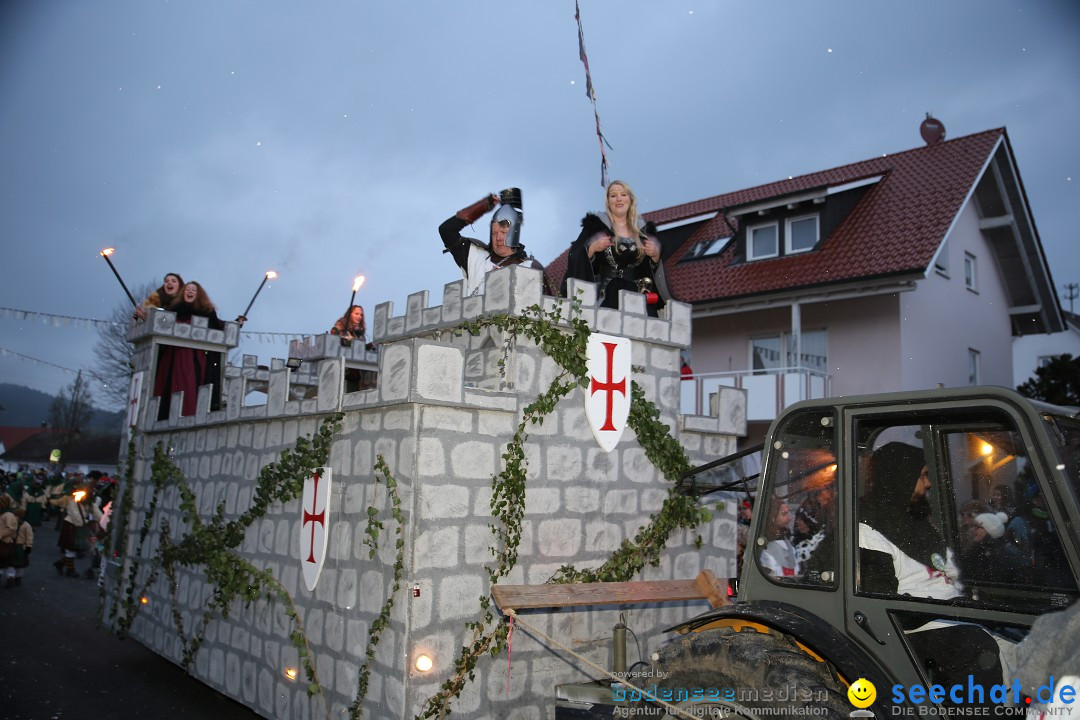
757	675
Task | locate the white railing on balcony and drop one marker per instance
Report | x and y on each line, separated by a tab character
767	393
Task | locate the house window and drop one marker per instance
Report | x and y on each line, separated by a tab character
802	234
1045	360
973	367
704	248
772	353
969	272
763	241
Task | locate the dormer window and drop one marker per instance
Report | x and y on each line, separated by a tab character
763	241
801	234
704	248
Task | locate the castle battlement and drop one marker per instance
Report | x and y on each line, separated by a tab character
512	290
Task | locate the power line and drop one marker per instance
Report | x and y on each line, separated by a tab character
4	352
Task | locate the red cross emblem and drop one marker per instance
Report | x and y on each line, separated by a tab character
607	398
314	525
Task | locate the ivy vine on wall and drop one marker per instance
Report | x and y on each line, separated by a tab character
568	349
212	544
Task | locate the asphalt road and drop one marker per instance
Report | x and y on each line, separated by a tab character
56	663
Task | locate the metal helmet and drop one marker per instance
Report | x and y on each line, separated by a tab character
510	212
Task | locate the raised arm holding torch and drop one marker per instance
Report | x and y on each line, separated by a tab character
105	254
270	275
356	286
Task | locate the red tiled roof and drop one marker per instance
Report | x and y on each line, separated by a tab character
895	228
12	435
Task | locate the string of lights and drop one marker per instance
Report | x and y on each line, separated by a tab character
55	320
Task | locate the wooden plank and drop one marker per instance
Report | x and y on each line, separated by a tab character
714	590
521	597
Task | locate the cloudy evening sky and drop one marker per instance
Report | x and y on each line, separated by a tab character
324	140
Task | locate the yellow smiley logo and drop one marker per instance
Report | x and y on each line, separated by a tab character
862	693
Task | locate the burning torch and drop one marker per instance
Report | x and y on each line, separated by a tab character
270	275
105	254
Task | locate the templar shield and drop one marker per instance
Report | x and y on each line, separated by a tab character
607	396
314	524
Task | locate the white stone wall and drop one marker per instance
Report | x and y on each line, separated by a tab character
441	415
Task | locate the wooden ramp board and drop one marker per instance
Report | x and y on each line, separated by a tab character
705	586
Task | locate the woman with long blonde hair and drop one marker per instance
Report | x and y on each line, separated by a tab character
618	250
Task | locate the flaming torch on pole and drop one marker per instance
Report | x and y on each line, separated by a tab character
357	282
270	275
105	254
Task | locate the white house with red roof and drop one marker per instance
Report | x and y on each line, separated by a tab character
900	272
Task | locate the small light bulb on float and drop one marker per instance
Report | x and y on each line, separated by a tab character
423	663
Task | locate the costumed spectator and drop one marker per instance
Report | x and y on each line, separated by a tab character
1016	528
778	555
504	247
813	535
34	500
619	251
80	518
9	526
901	550
991	557
23	543
54	490
967	514
184	368
162	297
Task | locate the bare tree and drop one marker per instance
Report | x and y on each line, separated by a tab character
113	353
70	413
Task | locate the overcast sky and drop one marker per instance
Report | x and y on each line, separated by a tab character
220	139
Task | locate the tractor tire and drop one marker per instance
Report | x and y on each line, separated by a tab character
723	673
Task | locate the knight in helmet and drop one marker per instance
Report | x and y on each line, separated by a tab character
504	247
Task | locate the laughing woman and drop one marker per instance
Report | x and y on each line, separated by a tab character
163	296
617	250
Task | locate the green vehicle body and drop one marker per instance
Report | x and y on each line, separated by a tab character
830	612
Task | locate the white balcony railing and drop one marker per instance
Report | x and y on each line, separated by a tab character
767	393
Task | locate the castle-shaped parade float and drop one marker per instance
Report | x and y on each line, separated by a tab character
331	552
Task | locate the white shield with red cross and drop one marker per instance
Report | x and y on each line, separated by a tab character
607	396
314	524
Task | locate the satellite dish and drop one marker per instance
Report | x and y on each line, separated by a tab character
932	130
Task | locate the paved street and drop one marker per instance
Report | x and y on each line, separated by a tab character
56	663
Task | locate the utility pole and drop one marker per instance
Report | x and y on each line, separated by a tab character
1072	292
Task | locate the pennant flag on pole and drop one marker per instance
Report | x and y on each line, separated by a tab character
591	92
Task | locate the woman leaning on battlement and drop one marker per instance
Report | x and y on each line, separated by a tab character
163	296
617	250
